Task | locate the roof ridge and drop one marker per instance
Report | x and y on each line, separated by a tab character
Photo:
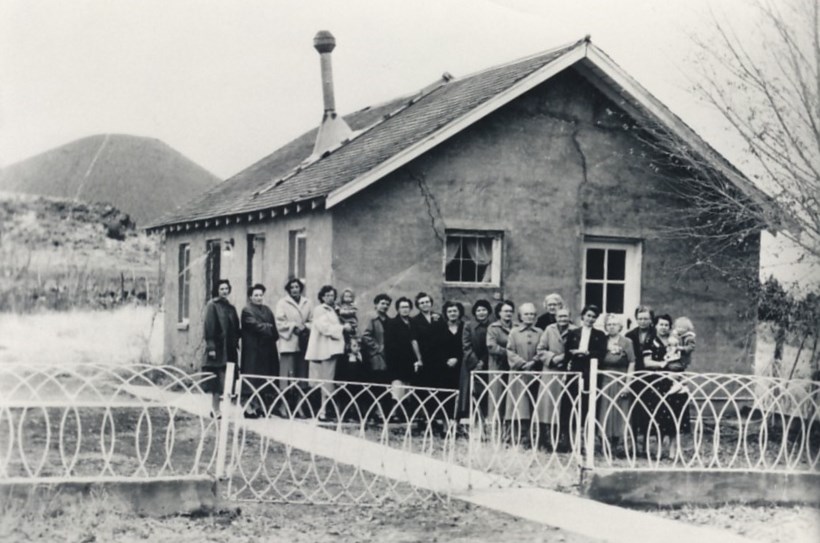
412	99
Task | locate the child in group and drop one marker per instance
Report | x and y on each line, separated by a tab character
679	349
348	313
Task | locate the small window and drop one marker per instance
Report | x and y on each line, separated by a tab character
473	258
184	282
256	259
612	276
213	263
297	254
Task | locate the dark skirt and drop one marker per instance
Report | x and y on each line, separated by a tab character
658	411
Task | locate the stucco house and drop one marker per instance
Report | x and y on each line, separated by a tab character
526	178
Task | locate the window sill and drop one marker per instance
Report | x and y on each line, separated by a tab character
182	326
470	285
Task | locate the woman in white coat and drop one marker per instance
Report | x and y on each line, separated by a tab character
293	317
325	345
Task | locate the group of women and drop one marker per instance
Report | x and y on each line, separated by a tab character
423	348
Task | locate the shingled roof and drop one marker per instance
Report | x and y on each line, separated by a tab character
278	179
389	135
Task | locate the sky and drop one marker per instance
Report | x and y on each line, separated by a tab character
226	82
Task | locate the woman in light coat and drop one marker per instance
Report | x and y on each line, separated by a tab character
497	336
553	393
614	398
524	360
474	347
293	317
325	345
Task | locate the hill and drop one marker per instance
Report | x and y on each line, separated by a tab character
61	254
143	177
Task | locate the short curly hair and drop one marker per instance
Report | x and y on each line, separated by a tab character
324	290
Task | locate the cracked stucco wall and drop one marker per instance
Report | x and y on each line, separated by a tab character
553	166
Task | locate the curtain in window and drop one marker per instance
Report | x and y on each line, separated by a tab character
482	254
453	243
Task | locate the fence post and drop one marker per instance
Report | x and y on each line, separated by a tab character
590	419
222	439
473	426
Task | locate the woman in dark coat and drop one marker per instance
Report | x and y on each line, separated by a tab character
221	341
666	408
403	361
448	364
642	337
425	327
259	355
476	354
450	334
400	345
582	345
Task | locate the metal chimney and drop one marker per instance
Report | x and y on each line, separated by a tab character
334	129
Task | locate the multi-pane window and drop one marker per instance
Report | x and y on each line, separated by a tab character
297	254
213	262
612	276
256	258
473	258
184	282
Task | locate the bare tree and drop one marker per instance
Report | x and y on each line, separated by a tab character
766	85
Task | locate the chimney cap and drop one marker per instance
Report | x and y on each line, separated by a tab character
324	42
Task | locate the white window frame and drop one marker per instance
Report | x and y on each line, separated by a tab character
183	284
256	257
294	264
495	270
632	271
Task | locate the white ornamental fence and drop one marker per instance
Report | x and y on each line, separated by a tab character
531	426
364	443
340	442
94	422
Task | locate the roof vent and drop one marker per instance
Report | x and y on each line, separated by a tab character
333	130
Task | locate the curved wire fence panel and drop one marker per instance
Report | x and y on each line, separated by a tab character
342	442
102	422
705	421
525	427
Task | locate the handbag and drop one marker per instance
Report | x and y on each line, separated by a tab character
304	336
377	362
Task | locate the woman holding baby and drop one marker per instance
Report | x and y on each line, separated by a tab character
670	354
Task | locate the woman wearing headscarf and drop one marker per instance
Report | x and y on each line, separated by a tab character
259	356
474	346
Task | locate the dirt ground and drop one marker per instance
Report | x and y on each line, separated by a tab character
95	520
247	522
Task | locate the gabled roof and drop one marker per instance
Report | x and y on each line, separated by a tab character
393	134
